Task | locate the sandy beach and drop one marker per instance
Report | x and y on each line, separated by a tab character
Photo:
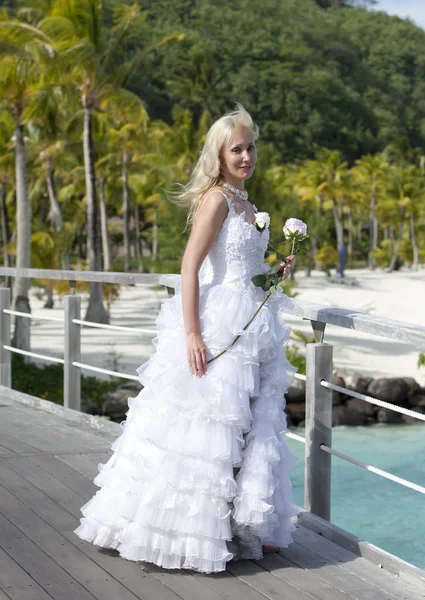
400	295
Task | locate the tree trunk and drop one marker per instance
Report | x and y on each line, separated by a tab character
373	231
5	229
391	244
125	210
137	251
350	237
155	236
415	263
49	300
5	233
104	226
154	240
95	311
339	228
55	213
21	336
359	231
311	256
399	240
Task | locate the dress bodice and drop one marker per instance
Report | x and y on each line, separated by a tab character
237	253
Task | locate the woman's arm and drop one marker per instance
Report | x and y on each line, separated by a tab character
209	220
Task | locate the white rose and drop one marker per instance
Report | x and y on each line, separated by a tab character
262	219
294	226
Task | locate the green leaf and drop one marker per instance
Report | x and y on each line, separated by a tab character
273	290
274	269
259	280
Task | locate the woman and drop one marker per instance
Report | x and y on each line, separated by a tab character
200	474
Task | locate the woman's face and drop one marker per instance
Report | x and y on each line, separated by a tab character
238	156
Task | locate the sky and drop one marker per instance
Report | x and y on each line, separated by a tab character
414	9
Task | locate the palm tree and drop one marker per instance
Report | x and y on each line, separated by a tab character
6	179
369	172
26	57
127	135
95	65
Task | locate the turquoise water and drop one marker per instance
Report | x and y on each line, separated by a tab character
377	510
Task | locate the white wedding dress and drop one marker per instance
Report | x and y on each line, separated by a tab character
168	494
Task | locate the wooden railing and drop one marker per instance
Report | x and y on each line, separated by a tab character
319	386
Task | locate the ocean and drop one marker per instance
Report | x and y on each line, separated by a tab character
380	511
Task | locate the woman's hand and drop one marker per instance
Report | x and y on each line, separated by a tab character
196	354
286	267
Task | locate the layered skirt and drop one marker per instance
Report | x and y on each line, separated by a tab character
200	472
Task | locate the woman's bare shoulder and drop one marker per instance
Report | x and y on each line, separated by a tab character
214	204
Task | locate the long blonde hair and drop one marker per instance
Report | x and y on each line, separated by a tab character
206	172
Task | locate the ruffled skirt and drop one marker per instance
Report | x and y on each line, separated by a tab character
168	494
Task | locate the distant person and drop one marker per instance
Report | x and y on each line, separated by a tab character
200	475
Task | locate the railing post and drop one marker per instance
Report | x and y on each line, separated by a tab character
318	430
5	338
72	352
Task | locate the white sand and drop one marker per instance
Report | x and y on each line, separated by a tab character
400	295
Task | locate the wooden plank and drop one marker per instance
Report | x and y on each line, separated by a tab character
81	464
360	547
302	580
45	571
60	437
48	484
27	493
16	445
6	452
143	586
72	353
67	475
333	573
229	586
95	579
182	583
349	561
261	580
350	319
132	574
64	275
17	583
100	457
318	430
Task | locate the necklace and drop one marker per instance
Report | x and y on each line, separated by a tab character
242	194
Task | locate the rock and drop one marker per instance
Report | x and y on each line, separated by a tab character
296	412
342	415
298	383
409	419
385	415
413	385
416	400
116	403
394	390
361	406
337	396
361	384
295	395
89	407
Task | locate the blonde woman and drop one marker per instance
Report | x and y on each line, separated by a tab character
200	474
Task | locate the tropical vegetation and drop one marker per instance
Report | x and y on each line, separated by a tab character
104	107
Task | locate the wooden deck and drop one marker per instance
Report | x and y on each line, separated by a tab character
47	464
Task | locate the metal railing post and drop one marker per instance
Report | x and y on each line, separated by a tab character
318	430
5	339
72	352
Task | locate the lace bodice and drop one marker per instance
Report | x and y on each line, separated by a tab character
237	253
